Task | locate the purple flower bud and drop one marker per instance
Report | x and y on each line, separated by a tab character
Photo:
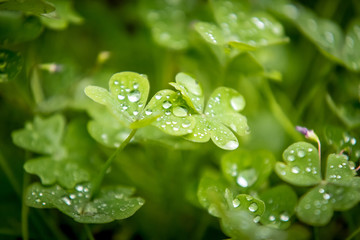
302	130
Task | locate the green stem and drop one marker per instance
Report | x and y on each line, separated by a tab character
25	209
36	87
279	113
8	172
353	234
98	180
88	232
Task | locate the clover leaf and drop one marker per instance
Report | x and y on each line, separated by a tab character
325	34
338	191
127	99
67	153
112	203
343	141
219	116
240	28
10	65
167	20
280	202
63	15
247	169
37	7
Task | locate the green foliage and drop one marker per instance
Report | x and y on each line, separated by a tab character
81	128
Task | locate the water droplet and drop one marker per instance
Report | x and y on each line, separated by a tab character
66	200
90	209
291	158
158	97
148	112
72	196
231	145
308	169
253	207
353	141
116	82
236	202
242	181
310	150
258	22
136	86
321	190
134	96
79	188
301	154
167	105
326	196
186	124
271	218
121	97
180	111
295	169
284	217
329	36
237	103
175	129
247	177
135	113
256	219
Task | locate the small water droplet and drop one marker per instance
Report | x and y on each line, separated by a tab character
158	97
271	218
136	86
284	217
134	96
353	141
186	124
310	150
116	82
72	196
295	169
253	207
256	219
326	196
237	103
236	202
167	104
308	169
66	200
175	129
242	181
121	97
180	111
135	113
148	112
231	145
291	158
321	190
301	154
79	188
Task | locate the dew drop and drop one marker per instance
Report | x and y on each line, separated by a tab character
326	196
116	82
134	96
167	105
353	141
310	150
121	97
247	177
295	169
148	112
186	125
66	200
284	217
136	86
180	111
291	158
158	97
256	219
301	154
231	145
135	113
321	190
79	188
237	103
236	202
253	207
242	181
72	196
271	218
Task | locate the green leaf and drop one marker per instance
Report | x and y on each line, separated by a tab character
66	172
127	98
172	114
191	91
247	169
37	7
342	141
112	203
351	55
280	203
168	23
240	28
314	207
339	170
10	65
41	136
302	165
16	28
63	15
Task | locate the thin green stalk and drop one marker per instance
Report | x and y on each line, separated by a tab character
279	113
25	210
36	86
353	234
8	172
98	180
88	232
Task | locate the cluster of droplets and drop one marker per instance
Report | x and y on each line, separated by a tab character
128	97
252	206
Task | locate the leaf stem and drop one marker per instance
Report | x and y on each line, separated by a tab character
353	234
279	113
25	209
98	180
88	232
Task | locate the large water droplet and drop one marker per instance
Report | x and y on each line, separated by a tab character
301	153
237	103
253	207
236	202
247	177
295	169
180	111
231	145
284	217
167	104
134	96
